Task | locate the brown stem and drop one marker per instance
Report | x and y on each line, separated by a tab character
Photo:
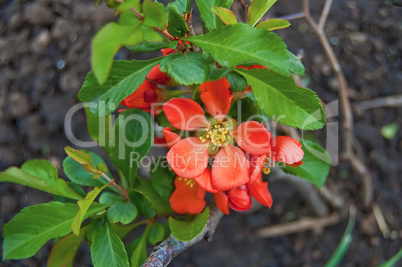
171	247
112	183
245	9
189	21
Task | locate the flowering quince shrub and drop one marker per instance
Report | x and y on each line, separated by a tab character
211	97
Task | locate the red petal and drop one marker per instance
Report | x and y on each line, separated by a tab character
259	190
252	67
188	197
158	77
222	202
252	137
217	98
230	168
171	137
189	157
137	99
286	149
185	114
296	164
256	164
168	51
204	180
239	198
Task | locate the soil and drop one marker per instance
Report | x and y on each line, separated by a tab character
44	57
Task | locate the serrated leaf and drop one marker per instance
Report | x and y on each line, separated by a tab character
41	175
211	20
152	46
236	81
296	66
34	226
143	204
133	129
156	233
182	5
145	187
122	211
162	177
64	250
84	205
107	42
125	77
217	73
191	64
273	24
177	26
187	230
241	44
316	164
283	101
77	174
245	109
257	9
226	15
155	14
107	249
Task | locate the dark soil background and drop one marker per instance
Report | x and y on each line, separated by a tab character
44	57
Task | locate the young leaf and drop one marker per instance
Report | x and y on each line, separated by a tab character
257	9
81	157
288	104
145	187
107	42
182	6
84	205
234	45
107	249
77	174
192	64
211	20
145	207
187	230
177	26
41	175
156	233
162	177
133	128
35	225
316	164
125	77
122	211
226	15
155	14
273	24
64	250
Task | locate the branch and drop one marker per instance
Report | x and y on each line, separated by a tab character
171	247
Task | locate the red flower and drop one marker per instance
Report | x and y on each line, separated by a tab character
188	197
189	157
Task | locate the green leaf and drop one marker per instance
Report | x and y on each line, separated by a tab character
107	42
133	130
84	205
389	131
153	46
35	225
145	187
109	198
156	233
296	66
128	18
122	211
64	250
192	64
139	255
177	26
283	101
125	77
237	82
155	14
211	20
392	261
128	4
316	164
123	230
182	6
226	15
241	44
81	157
162	177
77	174
41	175
257	9
144	205
217	73
245	109
107	249
273	24
187	230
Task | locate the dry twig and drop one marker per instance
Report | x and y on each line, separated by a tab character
389	101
